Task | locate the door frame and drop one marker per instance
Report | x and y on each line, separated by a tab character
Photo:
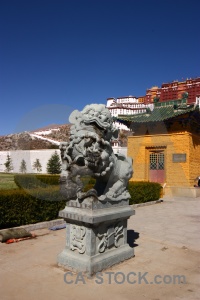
156	149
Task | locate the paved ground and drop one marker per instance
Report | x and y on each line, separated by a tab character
166	244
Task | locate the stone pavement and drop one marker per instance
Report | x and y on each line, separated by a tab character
166	241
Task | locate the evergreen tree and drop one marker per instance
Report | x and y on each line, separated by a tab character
8	164
37	165
54	164
23	166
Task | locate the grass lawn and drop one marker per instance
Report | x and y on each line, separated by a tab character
7	181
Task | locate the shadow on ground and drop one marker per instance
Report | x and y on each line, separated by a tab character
131	237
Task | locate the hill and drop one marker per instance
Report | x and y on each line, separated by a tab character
43	138
48	137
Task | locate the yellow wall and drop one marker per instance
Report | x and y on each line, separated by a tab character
141	99
194	145
176	174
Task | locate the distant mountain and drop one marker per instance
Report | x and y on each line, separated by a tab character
48	127
48	137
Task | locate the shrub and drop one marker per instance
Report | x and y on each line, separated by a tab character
8	164
18	207
30	181
54	164
37	165
22	168
142	192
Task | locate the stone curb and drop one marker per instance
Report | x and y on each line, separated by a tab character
147	203
48	224
41	225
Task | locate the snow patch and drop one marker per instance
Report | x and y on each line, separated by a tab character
44	139
46	132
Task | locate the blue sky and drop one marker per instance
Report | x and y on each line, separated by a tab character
57	56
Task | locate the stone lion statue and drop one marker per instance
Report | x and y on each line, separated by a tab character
89	153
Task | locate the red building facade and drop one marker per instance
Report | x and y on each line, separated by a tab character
174	90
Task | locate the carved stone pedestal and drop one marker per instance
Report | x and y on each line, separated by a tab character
96	235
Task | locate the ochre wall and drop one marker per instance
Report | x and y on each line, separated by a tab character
194	164
176	173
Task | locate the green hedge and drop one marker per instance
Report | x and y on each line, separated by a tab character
18	207
21	207
31	181
142	192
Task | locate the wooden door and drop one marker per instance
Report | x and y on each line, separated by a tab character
157	166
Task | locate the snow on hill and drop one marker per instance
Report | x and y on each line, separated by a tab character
58	133
46	132
44	138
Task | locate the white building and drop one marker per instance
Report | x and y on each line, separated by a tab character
198	100
29	156
128	105
120	150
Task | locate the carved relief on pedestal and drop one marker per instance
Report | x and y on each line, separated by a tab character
77	238
110	237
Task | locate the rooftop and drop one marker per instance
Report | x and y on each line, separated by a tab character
162	111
